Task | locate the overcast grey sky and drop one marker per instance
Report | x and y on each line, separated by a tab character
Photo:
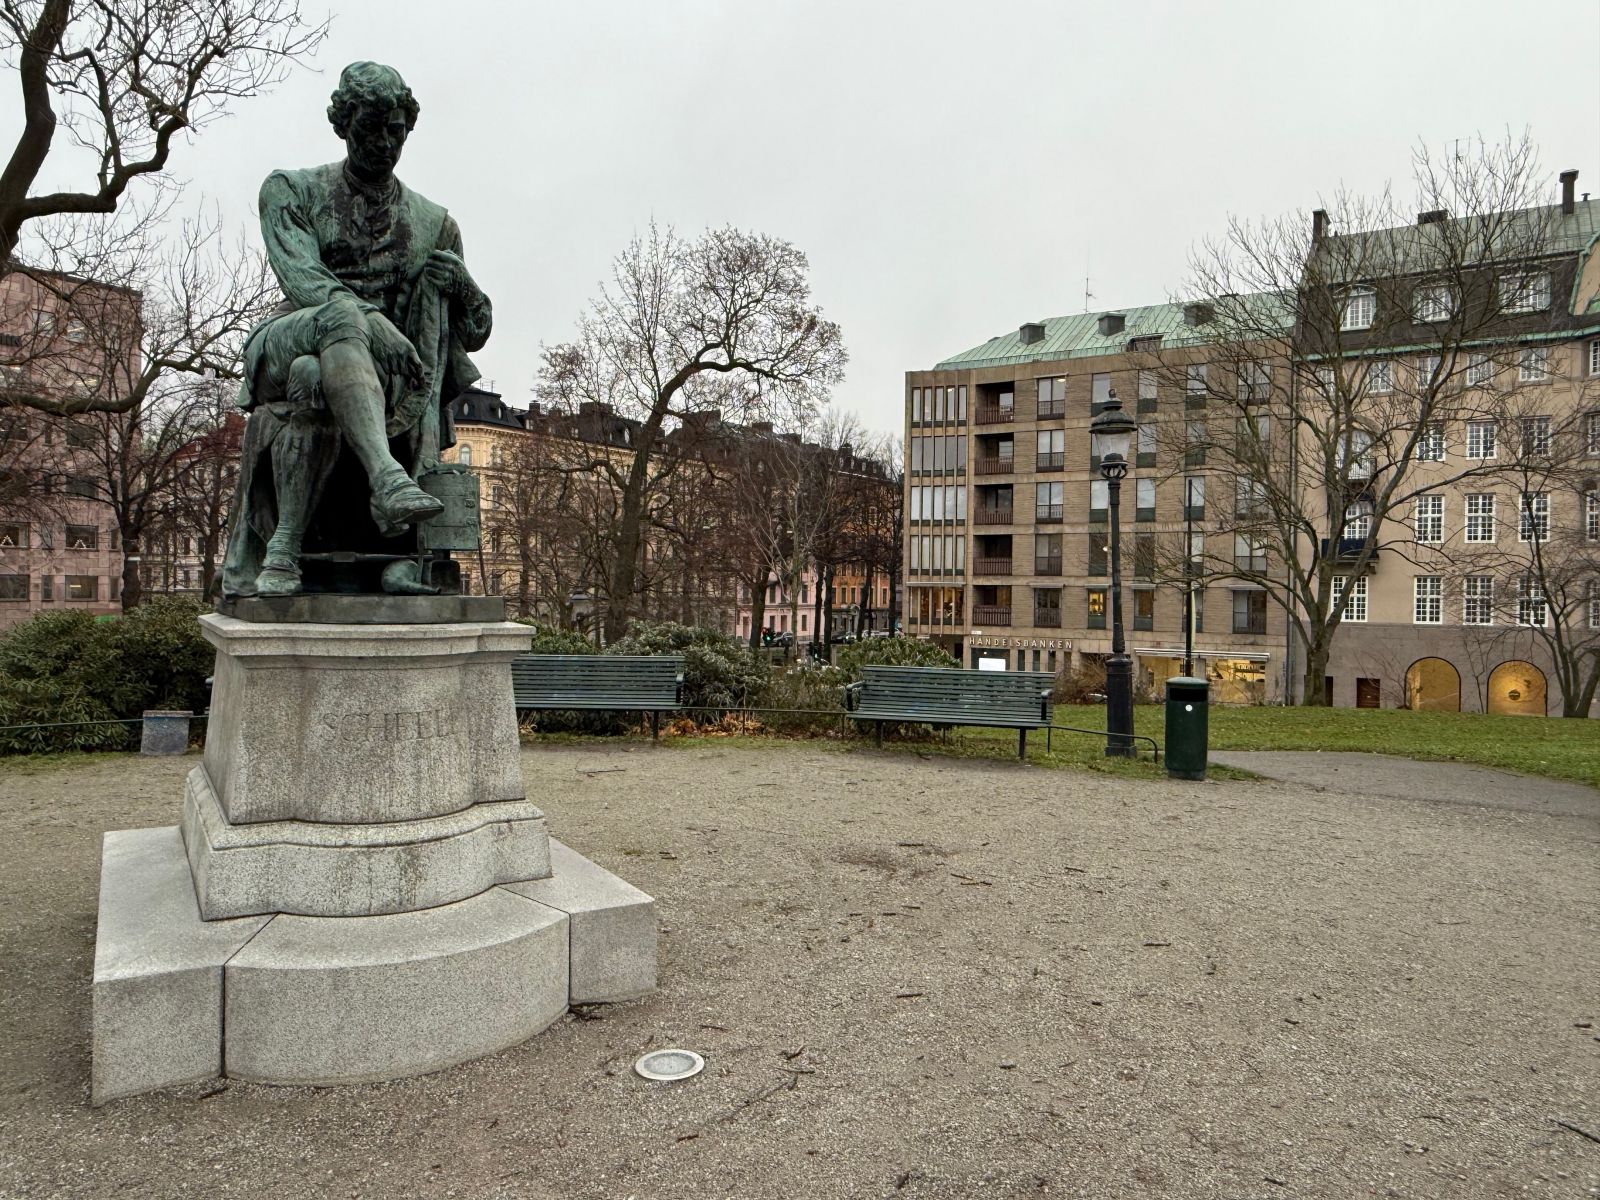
951	169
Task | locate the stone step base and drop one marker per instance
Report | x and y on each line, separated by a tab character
320	870
329	1000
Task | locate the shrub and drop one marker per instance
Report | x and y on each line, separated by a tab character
718	672
549	639
1085	685
891	652
806	685
66	667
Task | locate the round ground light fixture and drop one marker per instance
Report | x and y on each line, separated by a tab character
667	1065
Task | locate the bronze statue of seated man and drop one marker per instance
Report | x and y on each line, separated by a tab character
356	367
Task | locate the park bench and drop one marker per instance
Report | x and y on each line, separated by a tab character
650	684
1017	700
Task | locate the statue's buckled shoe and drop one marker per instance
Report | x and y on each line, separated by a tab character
403	503
278	579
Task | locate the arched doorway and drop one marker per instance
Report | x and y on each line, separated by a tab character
1516	688
1433	685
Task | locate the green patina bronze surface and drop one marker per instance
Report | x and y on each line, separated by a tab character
347	381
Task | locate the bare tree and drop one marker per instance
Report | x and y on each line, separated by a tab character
722	322
124	80
1319	382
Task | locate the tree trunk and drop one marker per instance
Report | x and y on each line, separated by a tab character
1314	685
758	614
132	587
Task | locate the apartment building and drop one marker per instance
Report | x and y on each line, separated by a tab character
1007	516
1457	366
59	547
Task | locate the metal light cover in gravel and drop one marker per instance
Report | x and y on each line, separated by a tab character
671	1064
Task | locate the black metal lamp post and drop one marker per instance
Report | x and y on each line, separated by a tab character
1110	438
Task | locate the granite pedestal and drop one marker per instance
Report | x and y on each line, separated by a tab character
359	888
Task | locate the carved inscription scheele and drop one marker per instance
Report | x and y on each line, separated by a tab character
387	727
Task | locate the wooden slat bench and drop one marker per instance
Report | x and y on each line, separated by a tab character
650	684
1017	700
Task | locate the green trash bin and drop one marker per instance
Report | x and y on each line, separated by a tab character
1187	704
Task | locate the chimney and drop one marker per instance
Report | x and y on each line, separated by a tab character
1111	323
1569	185
1433	216
1032	332
1319	226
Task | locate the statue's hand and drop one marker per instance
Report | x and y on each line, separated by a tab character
448	273
392	349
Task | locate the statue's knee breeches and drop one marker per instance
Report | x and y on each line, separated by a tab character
339	320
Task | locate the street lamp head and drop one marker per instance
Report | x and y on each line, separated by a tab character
581	602
1111	437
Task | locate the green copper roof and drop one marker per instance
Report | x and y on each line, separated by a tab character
1079	336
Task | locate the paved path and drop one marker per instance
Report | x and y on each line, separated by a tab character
1384	775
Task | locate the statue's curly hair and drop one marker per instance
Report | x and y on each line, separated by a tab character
370	83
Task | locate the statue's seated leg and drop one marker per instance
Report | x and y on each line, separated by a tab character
301	460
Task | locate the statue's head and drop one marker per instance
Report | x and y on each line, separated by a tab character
373	111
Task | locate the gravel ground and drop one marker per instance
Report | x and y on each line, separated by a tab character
916	977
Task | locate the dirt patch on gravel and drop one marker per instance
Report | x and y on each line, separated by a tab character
913	978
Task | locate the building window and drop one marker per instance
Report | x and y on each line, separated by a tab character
82	537
1477	600
1435	302
1249	497
1480	518
1194	444
1194	496
1255	382
80	486
1144	608
1427	371
1356	609
1099	499
1145	500
1099	391
1148	385
1481	439
1097	554
1525	291
1051	451
1249	554
1052	397
1427	600
1047	554
1480	370
1594	357
1428	518
1591	432
1047	607
1594	604
464	455
1531	606
1591	516
1534	525
1144	556
1533	365
1380	377
13	537
1360	306
1095	608
1194	385
1535	435
13	587
1047	498
83	587
1249	612
1146	446
1430	442
47	588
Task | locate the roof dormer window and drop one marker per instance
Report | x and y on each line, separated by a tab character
1360	306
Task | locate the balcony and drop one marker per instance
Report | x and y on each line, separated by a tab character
1047	513
993	414
1347	549
999	515
991	614
983	565
1047	618
1047	566
1052	461
993	466
1052	410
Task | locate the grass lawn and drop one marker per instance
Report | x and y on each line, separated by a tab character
1563	749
